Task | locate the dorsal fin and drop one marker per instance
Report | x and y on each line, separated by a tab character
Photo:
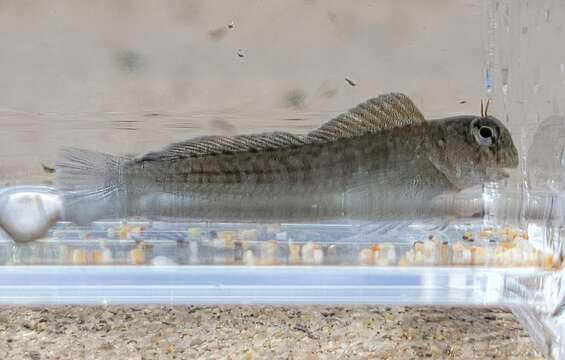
213	145
377	114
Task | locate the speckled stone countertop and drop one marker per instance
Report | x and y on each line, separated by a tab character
245	332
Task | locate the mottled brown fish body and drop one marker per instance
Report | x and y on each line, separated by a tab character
380	160
308	182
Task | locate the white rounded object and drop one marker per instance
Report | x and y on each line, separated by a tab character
27	212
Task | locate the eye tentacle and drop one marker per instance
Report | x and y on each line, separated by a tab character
486	107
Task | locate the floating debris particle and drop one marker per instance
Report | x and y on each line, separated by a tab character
350	82
463	102
231	25
240	53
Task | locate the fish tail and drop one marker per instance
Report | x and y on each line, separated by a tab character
91	184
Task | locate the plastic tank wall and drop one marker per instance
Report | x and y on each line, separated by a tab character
527	65
525	77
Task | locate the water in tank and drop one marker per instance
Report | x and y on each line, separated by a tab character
285	152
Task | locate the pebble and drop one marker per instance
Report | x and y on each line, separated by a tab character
365	257
162	261
137	256
249	258
294	256
269	252
107	256
318	255
231	332
308	253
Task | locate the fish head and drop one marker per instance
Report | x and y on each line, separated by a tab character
472	150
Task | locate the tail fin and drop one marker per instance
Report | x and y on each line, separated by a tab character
91	185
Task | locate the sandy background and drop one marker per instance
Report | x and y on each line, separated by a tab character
245	332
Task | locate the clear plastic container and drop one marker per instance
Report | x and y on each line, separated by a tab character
125	78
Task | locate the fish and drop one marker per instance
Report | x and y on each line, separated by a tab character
379	160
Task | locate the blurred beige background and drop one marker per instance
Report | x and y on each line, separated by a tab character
129	76
181	57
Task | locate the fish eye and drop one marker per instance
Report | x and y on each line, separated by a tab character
485	132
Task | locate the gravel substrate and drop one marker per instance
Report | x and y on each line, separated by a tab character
245	332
